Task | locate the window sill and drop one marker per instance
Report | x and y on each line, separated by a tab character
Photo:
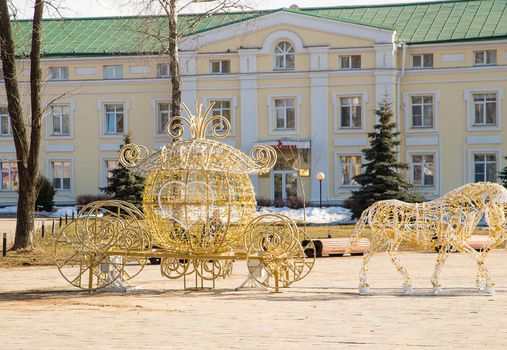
284	69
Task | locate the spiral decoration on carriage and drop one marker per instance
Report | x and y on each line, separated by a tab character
199	214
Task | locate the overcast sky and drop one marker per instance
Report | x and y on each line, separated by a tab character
95	8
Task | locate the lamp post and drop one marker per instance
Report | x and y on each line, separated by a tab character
320	176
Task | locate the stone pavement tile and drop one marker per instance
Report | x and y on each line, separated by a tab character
322	311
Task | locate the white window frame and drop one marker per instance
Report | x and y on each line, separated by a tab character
337	111
349	67
272	118
162	76
468	95
275	54
49	121
9	135
421	55
2	190
486	55
102	117
471	164
435	189
117	75
407	111
63	73
234	106
103	169
338	187
69	192
154	106
220	61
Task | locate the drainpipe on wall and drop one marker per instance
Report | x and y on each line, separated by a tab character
398	93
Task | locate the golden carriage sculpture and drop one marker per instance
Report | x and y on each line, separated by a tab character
198	217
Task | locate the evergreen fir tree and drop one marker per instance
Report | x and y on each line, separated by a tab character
124	184
502	176
382	177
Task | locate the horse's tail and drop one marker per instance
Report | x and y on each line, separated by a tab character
359	228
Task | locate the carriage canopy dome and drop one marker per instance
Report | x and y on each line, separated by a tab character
207	155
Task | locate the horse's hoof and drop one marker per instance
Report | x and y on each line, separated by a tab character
490	290
407	290
437	290
364	290
481	286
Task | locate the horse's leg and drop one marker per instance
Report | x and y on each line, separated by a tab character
442	255
483	280
363	284
392	251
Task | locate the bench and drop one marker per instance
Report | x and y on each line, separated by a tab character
338	246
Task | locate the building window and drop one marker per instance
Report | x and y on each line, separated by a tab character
9	176
423	169
163	70
114	118
60	120
164	114
350	166
61	174
113	72
485	57
350	62
485	109
5	122
109	166
284	56
350	112
220	66
485	167
223	108
285	114
422	111
58	73
422	60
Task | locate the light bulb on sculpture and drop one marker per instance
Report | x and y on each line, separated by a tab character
320	176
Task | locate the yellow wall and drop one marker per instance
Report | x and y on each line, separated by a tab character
453	141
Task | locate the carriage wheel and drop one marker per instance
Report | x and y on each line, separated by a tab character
174	268
85	249
275	251
212	269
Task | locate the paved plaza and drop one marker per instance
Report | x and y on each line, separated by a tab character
38	310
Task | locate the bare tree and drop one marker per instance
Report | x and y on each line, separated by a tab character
168	40
26	131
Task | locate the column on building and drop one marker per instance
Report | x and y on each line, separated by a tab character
248	102
319	83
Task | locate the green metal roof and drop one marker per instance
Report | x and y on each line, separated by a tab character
426	22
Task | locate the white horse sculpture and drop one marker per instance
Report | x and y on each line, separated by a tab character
445	223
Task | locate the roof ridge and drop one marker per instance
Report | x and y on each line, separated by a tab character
398	4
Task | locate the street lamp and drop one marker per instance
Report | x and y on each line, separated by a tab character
320	176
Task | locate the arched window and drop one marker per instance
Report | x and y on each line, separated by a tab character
284	55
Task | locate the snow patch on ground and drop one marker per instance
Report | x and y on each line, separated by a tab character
314	215
58	212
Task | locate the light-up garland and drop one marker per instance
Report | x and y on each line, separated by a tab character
445	223
198	203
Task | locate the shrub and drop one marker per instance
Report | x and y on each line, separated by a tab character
45	194
85	199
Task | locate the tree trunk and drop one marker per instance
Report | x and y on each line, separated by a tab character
173	59
27	152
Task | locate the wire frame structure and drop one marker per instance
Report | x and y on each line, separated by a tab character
199	209
444	224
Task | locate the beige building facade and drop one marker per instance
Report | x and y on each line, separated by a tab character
307	84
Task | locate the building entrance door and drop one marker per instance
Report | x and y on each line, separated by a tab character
284	185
